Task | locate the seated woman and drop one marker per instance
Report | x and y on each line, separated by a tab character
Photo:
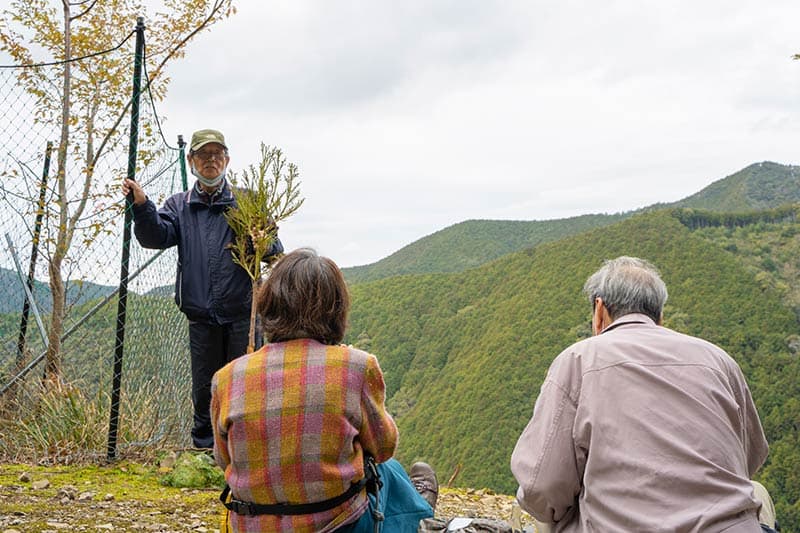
294	421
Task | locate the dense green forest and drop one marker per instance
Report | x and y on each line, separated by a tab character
465	353
474	242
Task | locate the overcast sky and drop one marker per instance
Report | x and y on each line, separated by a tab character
407	117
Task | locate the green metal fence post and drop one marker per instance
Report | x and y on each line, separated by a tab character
182	156
133	147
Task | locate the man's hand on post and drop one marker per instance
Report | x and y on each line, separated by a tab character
130	186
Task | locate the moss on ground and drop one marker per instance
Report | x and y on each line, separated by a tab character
120	497
194	470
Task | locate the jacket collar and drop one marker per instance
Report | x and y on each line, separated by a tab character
632	318
222	196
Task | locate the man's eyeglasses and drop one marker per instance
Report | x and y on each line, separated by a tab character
206	155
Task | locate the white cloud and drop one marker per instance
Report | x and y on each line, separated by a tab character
407	117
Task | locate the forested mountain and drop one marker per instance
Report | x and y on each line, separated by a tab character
769	247
14	292
472	243
465	353
760	186
475	242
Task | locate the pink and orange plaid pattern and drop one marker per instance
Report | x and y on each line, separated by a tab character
291	422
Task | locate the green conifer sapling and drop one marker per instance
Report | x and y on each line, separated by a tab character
265	194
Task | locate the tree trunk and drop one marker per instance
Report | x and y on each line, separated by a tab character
52	364
251	338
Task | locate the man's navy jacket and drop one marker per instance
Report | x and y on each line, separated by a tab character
210	287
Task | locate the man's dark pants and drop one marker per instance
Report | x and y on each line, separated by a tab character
211	346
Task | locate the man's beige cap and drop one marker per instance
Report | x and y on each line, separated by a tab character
201	138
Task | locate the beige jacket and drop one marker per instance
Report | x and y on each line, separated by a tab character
640	429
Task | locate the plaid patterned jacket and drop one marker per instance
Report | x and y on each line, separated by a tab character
291	422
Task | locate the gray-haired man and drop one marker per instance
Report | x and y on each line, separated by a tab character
640	428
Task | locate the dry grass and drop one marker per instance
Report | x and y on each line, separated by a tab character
61	424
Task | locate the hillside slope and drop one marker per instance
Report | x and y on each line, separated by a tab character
759	186
465	353
474	242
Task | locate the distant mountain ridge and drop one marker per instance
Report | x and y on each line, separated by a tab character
77	292
474	242
759	186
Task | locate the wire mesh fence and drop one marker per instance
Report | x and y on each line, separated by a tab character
61	196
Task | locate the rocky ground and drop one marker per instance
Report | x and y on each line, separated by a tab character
131	498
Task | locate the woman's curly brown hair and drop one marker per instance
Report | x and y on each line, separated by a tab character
304	297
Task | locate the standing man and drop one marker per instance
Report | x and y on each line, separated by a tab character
211	290
640	428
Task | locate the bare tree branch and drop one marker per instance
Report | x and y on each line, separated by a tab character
79	15
218	4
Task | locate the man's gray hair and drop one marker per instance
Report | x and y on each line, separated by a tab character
628	285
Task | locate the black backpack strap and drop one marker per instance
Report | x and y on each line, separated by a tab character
374	485
371	480
249	508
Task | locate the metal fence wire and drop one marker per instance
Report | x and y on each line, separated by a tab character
107	280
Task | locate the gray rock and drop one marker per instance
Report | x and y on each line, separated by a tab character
169	460
67	491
